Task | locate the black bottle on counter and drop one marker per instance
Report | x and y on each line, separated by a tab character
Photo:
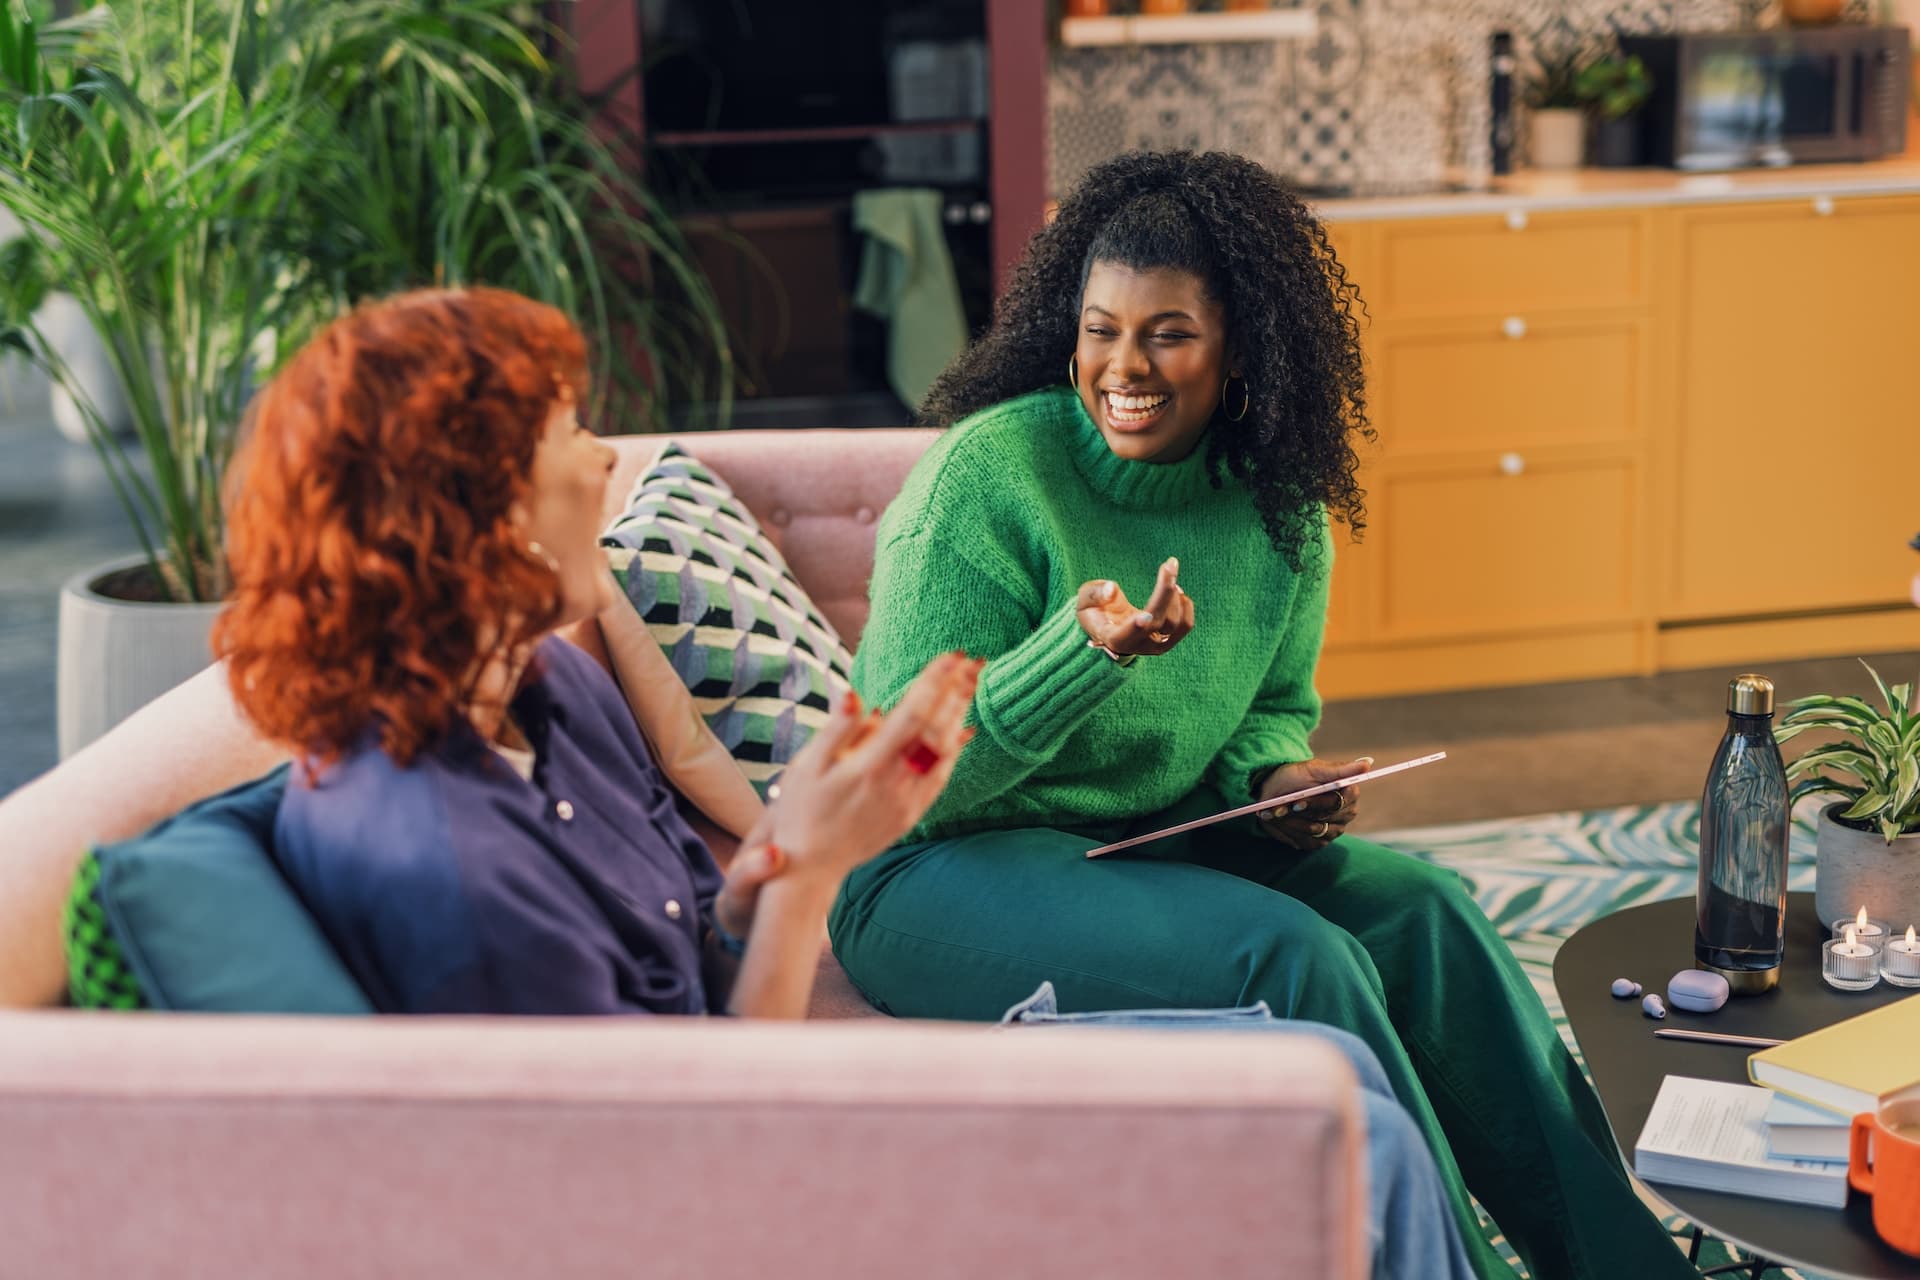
1501	120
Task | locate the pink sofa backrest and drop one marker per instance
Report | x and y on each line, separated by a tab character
817	494
186	1148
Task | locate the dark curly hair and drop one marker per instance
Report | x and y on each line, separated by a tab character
1291	320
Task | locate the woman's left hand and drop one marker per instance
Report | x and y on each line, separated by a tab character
1318	820
755	864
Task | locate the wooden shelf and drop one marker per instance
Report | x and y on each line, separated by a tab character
824	133
1190	28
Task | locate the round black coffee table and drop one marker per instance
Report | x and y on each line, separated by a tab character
1650	944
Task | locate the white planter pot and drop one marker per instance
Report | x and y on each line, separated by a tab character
1859	869
116	655
1557	138
72	338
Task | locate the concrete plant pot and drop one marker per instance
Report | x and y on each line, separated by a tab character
1557	138
115	656
1859	869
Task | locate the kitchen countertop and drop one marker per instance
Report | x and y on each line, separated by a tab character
1536	190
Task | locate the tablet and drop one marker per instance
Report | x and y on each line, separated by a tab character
1261	805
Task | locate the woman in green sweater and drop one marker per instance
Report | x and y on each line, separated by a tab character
1130	519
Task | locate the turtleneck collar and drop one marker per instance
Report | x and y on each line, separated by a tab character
1125	482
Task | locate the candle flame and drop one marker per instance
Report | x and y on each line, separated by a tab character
1849	935
1910	942
1861	920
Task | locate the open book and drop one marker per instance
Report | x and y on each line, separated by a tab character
1710	1135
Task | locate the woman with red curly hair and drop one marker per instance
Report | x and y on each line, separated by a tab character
478	825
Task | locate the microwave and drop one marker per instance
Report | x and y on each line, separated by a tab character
1808	95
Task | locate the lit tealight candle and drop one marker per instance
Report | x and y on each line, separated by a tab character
1900	961
1849	964
1870	933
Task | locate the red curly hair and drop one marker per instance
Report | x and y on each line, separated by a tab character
375	566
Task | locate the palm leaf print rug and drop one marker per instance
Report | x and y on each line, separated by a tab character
1540	878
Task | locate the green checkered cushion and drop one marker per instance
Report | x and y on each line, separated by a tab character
98	976
761	662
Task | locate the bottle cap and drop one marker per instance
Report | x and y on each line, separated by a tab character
1750	695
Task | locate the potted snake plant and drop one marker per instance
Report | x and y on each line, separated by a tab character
1869	838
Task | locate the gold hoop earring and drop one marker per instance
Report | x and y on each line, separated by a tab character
1246	398
1073	370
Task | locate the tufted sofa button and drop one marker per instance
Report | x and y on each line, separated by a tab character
782	517
864	515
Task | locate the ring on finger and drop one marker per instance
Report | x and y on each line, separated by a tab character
1159	637
1324	827
920	757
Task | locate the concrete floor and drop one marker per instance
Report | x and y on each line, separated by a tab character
1512	751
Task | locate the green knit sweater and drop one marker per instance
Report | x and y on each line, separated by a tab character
985	549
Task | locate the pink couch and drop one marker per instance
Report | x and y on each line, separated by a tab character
197	1146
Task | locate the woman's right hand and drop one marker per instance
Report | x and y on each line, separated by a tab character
1121	629
866	779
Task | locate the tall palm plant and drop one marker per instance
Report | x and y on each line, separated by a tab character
465	155
148	161
212	178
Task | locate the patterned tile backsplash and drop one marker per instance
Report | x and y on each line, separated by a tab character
1386	96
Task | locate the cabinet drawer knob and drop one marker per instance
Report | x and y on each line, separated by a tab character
1512	464
1514	327
1823	205
1516	219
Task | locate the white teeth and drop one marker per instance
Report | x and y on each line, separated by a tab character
1134	408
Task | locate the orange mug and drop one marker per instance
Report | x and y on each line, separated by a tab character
1891	1175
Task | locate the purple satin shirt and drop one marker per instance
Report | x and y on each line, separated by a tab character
457	886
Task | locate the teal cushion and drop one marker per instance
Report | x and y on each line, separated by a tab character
763	665
204	920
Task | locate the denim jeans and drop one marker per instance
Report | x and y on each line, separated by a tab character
1410	1224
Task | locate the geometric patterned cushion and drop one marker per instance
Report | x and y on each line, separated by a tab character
763	666
98	976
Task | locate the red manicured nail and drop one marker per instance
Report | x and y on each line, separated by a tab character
921	758
850	705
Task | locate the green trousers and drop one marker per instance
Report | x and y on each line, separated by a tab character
1353	935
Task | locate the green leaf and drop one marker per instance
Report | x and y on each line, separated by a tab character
1838	755
1815	786
1867	805
1843	702
1906	783
1885	694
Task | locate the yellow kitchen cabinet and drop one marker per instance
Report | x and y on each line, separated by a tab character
1498	545
1628	440
1353	244
1512	263
1510	384
1795	454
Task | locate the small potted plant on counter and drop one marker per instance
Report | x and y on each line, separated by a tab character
1869	839
1556	136
1614	90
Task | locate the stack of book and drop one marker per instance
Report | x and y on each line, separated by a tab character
1785	1136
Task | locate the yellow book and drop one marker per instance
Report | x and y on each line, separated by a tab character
1851	1066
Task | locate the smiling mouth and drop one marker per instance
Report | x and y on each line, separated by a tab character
1133	411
